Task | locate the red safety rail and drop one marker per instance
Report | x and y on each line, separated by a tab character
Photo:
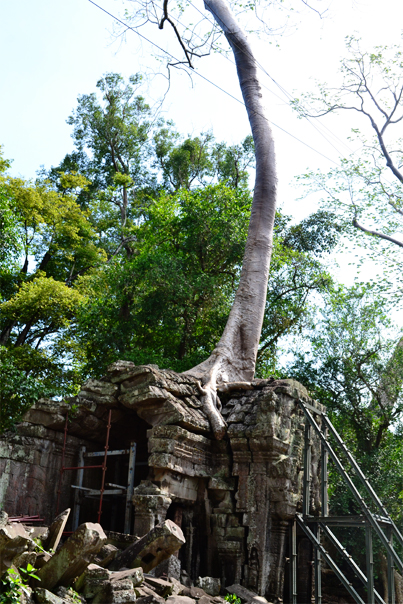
102	466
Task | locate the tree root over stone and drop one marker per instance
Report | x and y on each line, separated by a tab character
214	375
212	408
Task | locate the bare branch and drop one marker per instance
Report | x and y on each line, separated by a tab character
161	25
314	9
376	233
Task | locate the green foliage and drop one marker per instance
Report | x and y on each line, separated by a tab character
317	234
132	248
51	299
352	362
169	303
9	244
14	582
197	161
74	595
115	129
295	279
232	599
55	244
18	392
355	364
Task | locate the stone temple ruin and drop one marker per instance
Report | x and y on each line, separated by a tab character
233	499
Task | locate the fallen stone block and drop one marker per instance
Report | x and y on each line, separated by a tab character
163	588
204	600
180	600
149	591
135	575
69	596
103	586
144	599
162	541
211	586
14	540
123	597
38	532
245	594
177	587
91	580
71	560
115	588
56	530
106	555
24	559
44	596
116	592
171	567
120	540
41	559
197	592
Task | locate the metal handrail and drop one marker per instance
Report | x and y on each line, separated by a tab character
337	571
361	476
344	553
360	500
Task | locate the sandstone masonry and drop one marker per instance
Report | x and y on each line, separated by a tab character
233	499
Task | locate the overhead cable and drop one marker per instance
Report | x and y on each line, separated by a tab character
206	79
283	90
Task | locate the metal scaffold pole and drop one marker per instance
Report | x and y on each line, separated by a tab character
379	523
116	489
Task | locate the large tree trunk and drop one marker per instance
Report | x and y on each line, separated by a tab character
234	358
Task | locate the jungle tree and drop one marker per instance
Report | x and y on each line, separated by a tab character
366	189
233	359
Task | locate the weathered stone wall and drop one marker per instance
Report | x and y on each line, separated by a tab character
233	499
30	464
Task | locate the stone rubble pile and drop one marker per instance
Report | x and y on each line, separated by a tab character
90	567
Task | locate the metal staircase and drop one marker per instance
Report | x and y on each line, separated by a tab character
378	523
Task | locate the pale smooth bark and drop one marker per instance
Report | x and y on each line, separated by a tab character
234	358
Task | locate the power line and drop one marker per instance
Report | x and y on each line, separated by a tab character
283	90
263	85
164	51
206	79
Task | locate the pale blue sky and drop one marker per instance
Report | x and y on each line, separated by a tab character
54	51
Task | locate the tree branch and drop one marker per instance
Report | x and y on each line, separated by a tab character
172	24
376	233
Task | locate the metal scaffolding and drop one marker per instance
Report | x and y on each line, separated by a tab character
114	489
379	523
